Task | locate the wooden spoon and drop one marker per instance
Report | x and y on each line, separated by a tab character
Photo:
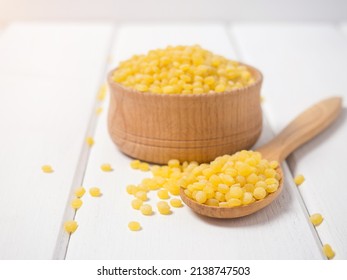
302	129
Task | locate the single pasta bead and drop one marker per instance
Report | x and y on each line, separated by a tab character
260	184
212	202
76	203
90	141
102	92
175	202
70	226
106	167
79	192
233	202
223	204
223	188
271	188
141	195
219	196
328	251
163	208
163	194
274	164
144	166
134	226
94	192
299	179
131	189
247	198
136	203
201	197
259	193
316	219
146	209
173	163
135	164
252	179
47	169
220	88
235	191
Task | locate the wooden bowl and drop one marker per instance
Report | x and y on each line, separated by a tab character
188	127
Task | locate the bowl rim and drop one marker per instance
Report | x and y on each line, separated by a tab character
235	91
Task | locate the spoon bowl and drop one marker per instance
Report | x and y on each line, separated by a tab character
302	129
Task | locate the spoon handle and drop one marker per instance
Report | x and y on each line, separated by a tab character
303	128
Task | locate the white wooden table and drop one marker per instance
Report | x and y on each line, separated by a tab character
50	74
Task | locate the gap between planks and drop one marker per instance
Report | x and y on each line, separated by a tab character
286	167
63	239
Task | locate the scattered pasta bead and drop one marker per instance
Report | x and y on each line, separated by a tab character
102	92
136	203
135	164
163	194
146	209
182	70
131	189
141	195
94	192
175	202
328	251
90	141
106	167
98	110
80	191
134	226
163	208
144	166
299	179
47	169
316	219
76	203
70	226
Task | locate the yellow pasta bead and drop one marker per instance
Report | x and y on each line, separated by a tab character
102	92
259	193
144	166
328	251
173	163
79	192
70	226
98	110
136	203
76	203
47	169
94	192
201	197
141	195
135	164
131	189
220	88
175	202
163	194
219	196
141	87
146	209
234	202
235	191
106	167
316	219
134	226
223	188
163	208
274	164
212	202
90	141
271	188
247	198
223	204
299	179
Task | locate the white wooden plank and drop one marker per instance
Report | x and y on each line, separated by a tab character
49	77
303	63
279	232
135	10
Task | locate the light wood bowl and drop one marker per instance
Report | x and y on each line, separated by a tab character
188	127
